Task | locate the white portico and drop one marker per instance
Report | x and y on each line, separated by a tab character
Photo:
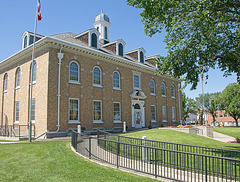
138	109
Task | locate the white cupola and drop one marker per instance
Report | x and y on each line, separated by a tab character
102	24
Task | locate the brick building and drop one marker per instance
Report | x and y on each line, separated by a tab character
86	79
222	119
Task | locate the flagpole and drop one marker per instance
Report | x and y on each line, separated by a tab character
30	103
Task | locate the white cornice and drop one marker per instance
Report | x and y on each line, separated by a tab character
95	52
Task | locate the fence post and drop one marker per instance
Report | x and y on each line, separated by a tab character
79	128
90	147
144	149
206	168
155	163
118	151
124	127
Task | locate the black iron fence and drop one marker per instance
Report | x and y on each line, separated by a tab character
160	162
19	131
218	152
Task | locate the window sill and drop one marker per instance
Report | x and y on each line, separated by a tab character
17	88
99	86
16	122
97	121
74	82
152	94
173	97
137	88
74	122
115	88
164	96
117	121
5	91
174	120
164	121
153	121
33	121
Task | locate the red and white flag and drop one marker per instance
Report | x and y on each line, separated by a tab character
39	16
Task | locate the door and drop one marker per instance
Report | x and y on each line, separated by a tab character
138	118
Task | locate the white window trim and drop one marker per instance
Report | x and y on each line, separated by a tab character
73	121
97	121
117	121
90	38
175	114
164	120
94	84
154	87
73	81
117	88
165	90
173	86
16	122
154	121
139	81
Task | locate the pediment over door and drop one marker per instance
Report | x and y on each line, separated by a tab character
138	94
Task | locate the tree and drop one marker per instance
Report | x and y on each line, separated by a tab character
230	101
200	35
211	103
188	106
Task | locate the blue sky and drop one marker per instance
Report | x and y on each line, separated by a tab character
76	16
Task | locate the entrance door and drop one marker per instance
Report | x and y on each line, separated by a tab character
138	118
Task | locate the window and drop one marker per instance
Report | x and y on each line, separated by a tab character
97	111
94	40
225	115
116	80
173	114
73	72
173	91
141	57
17	112
18	78
164	113
153	113
152	87
136	81
163	87
116	112
73	110
225	123
34	72
105	33
220	115
25	41
97	77
120	49
33	110
5	82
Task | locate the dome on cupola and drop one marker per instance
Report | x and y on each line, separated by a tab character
102	16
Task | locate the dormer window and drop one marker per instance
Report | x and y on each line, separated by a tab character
120	49
141	57
28	38
94	40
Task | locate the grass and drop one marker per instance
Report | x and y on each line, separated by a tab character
183	138
231	131
53	161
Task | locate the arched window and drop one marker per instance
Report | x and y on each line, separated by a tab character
25	41
173	91
97	76
34	72
120	49
18	78
105	33
163	87
116	80
5	82
137	106
94	40
141	57
152	87
73	72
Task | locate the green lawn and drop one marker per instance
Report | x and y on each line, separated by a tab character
183	138
231	131
53	161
